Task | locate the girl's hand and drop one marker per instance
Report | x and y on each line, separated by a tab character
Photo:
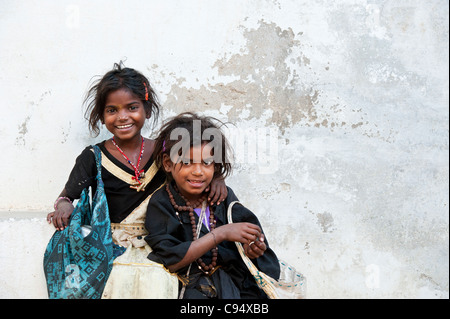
217	191
255	248
60	217
241	232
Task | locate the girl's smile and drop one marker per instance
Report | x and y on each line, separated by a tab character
195	183
123	127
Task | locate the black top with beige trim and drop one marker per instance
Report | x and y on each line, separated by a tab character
122	199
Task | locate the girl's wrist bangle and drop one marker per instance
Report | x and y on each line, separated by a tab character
214	235
59	198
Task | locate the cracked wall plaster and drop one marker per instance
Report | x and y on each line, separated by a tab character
356	92
265	82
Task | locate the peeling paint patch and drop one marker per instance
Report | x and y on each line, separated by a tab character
276	189
23	127
23	130
264	82
325	221
65	134
307	248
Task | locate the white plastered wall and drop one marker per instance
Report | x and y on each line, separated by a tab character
348	98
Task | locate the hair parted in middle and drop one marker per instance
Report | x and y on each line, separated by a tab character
194	129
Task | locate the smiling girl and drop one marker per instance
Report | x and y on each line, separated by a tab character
122	100
192	237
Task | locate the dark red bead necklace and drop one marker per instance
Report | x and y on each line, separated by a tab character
137	174
189	207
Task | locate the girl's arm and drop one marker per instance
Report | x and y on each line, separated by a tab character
241	232
63	209
82	175
217	191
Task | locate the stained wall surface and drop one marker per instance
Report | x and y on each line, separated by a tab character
339	113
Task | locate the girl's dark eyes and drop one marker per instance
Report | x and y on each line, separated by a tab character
111	109
206	163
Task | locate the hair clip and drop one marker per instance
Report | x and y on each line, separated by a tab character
164	146
146	91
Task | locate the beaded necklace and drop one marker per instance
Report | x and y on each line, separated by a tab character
137	174
189	207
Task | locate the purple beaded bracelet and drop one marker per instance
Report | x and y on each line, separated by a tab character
59	198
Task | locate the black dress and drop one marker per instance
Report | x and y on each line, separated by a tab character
122	199
170	238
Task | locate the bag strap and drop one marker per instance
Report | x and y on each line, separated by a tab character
247	260
98	161
99	198
261	278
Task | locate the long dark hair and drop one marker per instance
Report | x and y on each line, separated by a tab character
119	77
186	120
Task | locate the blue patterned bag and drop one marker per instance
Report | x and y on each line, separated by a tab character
77	266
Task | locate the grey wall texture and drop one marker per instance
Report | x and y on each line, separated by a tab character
339	113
